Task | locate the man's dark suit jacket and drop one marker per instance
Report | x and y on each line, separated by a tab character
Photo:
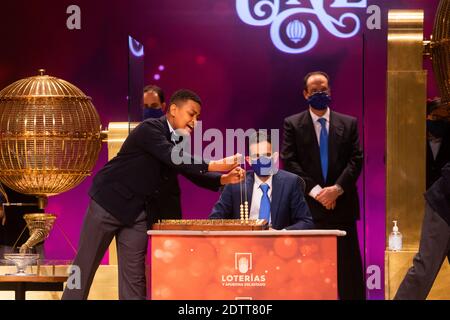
288	206
168	205
434	166
142	174
301	155
438	196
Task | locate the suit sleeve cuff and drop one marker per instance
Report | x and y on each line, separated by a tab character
204	168
315	191
339	189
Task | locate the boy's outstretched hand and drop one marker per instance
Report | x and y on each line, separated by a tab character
234	176
225	164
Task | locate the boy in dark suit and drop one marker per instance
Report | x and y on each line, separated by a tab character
124	194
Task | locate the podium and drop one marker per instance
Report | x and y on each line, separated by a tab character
247	265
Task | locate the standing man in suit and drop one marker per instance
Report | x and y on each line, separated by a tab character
274	195
124	193
438	141
322	147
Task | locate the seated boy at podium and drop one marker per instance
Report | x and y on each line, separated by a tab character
272	194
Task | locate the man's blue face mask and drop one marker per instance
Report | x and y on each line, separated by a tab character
319	100
437	128
262	166
152	113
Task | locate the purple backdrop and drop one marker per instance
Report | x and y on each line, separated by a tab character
243	79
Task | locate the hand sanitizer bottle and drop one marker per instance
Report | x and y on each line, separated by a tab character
395	239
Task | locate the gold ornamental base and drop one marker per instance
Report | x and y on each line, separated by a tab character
39	225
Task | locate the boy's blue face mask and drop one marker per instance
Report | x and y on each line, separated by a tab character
262	166
319	100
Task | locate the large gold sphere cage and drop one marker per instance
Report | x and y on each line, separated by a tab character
441	51
49	135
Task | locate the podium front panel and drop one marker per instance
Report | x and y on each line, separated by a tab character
202	267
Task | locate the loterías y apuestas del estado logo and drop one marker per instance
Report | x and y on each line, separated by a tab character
243	275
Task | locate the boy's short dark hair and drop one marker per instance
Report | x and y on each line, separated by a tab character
433	104
183	95
258	137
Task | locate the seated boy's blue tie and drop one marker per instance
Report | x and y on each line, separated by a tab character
264	208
